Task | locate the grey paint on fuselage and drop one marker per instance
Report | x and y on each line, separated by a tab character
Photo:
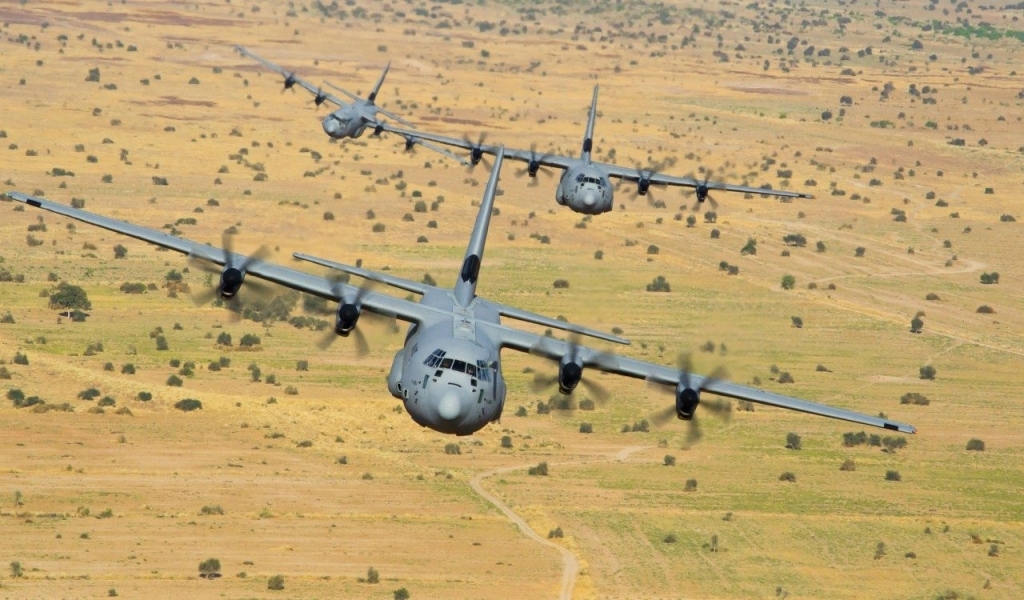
346	122
448	374
585	188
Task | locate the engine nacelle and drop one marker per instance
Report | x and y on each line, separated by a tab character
702	193
475	155
346	319
319	99
533	167
289	81
570	373
230	282
687	400
642	185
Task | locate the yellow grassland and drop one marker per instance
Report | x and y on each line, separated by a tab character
297	512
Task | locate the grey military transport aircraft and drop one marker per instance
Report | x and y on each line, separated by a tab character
585	186
448	373
349	120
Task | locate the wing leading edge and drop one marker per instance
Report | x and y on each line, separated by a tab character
554	349
381	304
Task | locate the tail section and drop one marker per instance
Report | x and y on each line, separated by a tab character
465	287
376	88
588	137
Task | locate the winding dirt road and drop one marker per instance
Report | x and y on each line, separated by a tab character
571	565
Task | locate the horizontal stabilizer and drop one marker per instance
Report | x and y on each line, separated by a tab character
529	317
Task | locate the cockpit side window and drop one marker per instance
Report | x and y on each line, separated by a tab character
435	358
470	370
482	371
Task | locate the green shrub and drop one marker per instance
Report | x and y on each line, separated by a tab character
188	404
210	565
276	583
540	470
976	445
372	575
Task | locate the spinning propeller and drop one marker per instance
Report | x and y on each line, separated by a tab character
688	398
533	165
347	316
231	275
476	152
289	82
703	192
570	373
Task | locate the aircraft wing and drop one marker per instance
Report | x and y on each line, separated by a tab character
317	91
554	349
543	159
381	304
659	179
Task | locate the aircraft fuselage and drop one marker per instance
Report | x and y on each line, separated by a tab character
585	189
346	122
448	375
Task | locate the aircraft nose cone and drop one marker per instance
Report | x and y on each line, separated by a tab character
449	407
589	198
331	126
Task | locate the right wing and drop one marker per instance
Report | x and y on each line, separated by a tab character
290	79
477	150
382	304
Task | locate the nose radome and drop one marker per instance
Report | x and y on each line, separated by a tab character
589	198
330	126
449	406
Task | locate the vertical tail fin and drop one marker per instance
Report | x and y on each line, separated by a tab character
380	82
588	137
465	286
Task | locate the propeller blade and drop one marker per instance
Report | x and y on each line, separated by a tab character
663	416
598	391
693	434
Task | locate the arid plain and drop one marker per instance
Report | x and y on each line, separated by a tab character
904	121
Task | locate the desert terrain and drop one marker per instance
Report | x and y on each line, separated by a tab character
903	118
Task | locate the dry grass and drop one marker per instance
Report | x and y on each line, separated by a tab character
296	512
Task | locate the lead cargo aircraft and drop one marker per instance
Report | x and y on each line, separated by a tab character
448	373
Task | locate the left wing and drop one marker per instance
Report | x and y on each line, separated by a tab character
382	304
290	79
554	349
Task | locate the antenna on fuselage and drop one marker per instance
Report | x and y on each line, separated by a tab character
465	286
588	137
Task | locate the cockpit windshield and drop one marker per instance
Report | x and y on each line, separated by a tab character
479	368
583	179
